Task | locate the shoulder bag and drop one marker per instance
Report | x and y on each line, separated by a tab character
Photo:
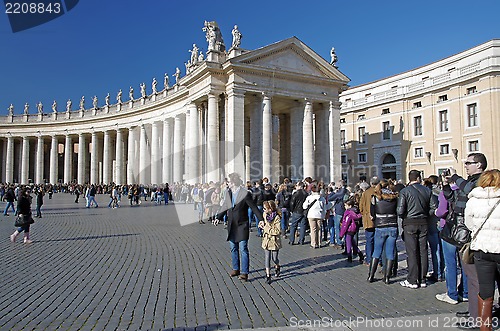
466	253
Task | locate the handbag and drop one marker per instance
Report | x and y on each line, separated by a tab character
309	207
466	253
22	220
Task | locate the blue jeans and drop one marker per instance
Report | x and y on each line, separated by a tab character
285	215
236	249
331	229
297	219
370	243
385	238
451	262
90	200
260	232
9	204
337	219
165	197
436	254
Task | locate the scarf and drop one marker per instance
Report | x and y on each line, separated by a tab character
270	217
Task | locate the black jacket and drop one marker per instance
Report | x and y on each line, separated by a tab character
415	204
297	201
384	212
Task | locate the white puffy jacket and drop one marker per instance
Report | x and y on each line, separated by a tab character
481	201
318	210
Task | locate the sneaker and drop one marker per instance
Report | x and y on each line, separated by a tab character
445	298
406	283
462	299
423	284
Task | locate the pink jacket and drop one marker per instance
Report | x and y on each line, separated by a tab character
349	221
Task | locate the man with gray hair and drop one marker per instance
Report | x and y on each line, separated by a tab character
368	224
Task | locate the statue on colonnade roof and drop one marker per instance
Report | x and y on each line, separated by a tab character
54	106
236	37
26	108
214	36
11	110
39	107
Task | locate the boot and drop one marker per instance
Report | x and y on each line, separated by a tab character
485	312
268	279
27	238
14	236
361	257
373	269
388	271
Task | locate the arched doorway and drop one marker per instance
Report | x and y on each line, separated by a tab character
389	166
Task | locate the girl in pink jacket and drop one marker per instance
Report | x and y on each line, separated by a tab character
350	226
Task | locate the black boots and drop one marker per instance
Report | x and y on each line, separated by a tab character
361	257
388	271
268	279
373	269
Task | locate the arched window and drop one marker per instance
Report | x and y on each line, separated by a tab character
389	159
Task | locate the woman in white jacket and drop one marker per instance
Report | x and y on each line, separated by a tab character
486	246
316	213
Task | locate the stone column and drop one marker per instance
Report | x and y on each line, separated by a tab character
177	157
54	167
155	153
236	132
9	160
335	148
322	153
106	158
267	141
68	159
187	145
39	160
119	158
256	138
213	139
167	151
143	150
81	158
308	140
25	161
296	150
131	157
194	148
94	160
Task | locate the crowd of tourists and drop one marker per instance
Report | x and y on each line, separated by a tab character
441	215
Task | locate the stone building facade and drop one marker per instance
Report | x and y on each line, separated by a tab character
427	119
270	112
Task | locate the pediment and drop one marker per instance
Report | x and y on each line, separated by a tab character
293	56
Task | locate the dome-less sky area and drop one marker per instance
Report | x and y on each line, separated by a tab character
102	46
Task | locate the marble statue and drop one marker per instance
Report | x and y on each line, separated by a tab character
236	37
153	86
119	96
26	108
94	102
165	81
201	57
68	105
54	106
82	103
194	55
11	110
107	100
131	93
214	37
143	90
333	60
39	107
177	75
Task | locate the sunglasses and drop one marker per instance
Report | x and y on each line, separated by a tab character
469	163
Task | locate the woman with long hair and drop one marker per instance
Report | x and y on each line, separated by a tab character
24	214
482	217
383	210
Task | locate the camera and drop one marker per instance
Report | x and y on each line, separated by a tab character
446	173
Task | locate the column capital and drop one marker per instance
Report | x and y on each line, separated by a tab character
266	95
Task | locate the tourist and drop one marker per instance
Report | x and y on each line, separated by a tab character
316	207
384	203
283	199
368	224
90	195
39	192
298	219
338	198
236	209
351	222
482	217
24	215
433	233
10	197
415	205
271	238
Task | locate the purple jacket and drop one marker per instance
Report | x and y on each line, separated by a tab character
349	221
442	209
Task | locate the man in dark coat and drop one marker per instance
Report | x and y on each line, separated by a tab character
236	203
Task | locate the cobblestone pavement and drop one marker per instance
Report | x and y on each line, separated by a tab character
136	268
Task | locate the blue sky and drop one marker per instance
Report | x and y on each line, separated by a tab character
102	46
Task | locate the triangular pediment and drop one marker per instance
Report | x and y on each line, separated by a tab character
290	55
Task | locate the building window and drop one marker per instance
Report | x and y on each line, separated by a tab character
385	111
471	90
419	152
472	115
362	157
417	123
473	146
417	104
343	159
362	135
361	117
342	138
442	98
443	121
444	149
386	130
342	120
